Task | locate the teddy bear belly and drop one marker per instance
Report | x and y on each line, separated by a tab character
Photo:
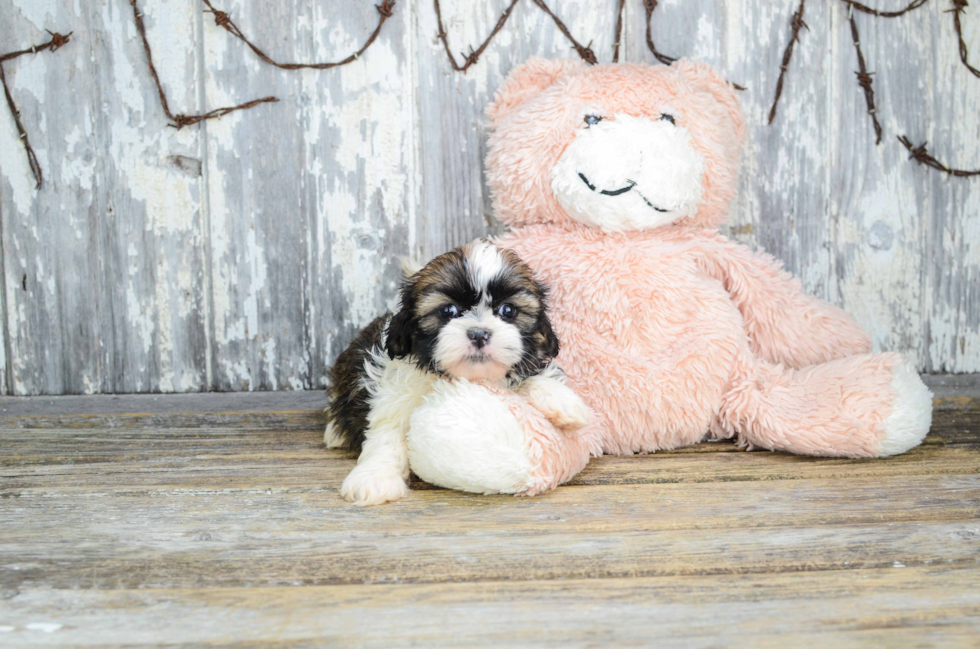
647	341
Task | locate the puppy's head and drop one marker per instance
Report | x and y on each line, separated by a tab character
475	312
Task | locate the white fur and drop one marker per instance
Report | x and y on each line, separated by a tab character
397	388
331	436
456	354
559	404
463	437
911	415
654	156
485	263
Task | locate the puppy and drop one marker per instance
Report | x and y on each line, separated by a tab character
474	313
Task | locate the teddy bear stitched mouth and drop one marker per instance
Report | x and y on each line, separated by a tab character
617	192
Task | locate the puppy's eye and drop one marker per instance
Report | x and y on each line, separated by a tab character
592	119
668	118
506	311
449	311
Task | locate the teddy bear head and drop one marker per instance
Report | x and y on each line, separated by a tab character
618	147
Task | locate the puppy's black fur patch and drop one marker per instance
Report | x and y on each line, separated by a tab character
349	399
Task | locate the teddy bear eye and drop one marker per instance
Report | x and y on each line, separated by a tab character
668	118
592	119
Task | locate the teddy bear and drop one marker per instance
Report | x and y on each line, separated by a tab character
613	181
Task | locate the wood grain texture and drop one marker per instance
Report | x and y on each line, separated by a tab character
886	607
242	254
108	535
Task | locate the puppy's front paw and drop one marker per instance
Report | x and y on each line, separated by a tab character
558	403
573	415
366	486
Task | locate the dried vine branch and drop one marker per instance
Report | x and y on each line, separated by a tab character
584	51
619	30
56	42
650	6
921	155
223	20
915	4
180	121
796	25
474	55
864	79
959	6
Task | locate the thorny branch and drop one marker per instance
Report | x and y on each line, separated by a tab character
864	79
796	24
915	4
959	6
921	155
584	51
474	55
180	121
470	59
223	20
650	6
56	42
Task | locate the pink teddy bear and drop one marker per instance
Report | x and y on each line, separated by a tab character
613	180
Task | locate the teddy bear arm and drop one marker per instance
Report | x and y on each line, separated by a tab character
784	324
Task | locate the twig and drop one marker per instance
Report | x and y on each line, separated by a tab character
584	51
915	4
959	6
619	31
474	55
180	121
864	78
796	24
56	42
650	6
921	155
223	20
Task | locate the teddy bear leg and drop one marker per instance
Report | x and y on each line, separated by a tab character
482	439
870	405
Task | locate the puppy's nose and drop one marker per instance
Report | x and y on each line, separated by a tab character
479	337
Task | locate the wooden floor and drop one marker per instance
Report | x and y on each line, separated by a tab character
215	519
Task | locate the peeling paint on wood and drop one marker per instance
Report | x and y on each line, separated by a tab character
242	254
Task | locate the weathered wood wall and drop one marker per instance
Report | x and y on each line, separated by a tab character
242	253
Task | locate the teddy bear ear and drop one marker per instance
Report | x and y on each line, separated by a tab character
527	80
706	78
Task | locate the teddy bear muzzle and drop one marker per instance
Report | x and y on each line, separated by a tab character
629	173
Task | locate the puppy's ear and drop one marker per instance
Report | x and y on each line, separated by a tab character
551	345
400	330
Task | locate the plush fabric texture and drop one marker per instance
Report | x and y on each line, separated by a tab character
672	333
484	438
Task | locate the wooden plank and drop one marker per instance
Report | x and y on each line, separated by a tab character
103	265
881	204
46	248
945	111
883	607
221	458
311	199
129	548
603	509
957	397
